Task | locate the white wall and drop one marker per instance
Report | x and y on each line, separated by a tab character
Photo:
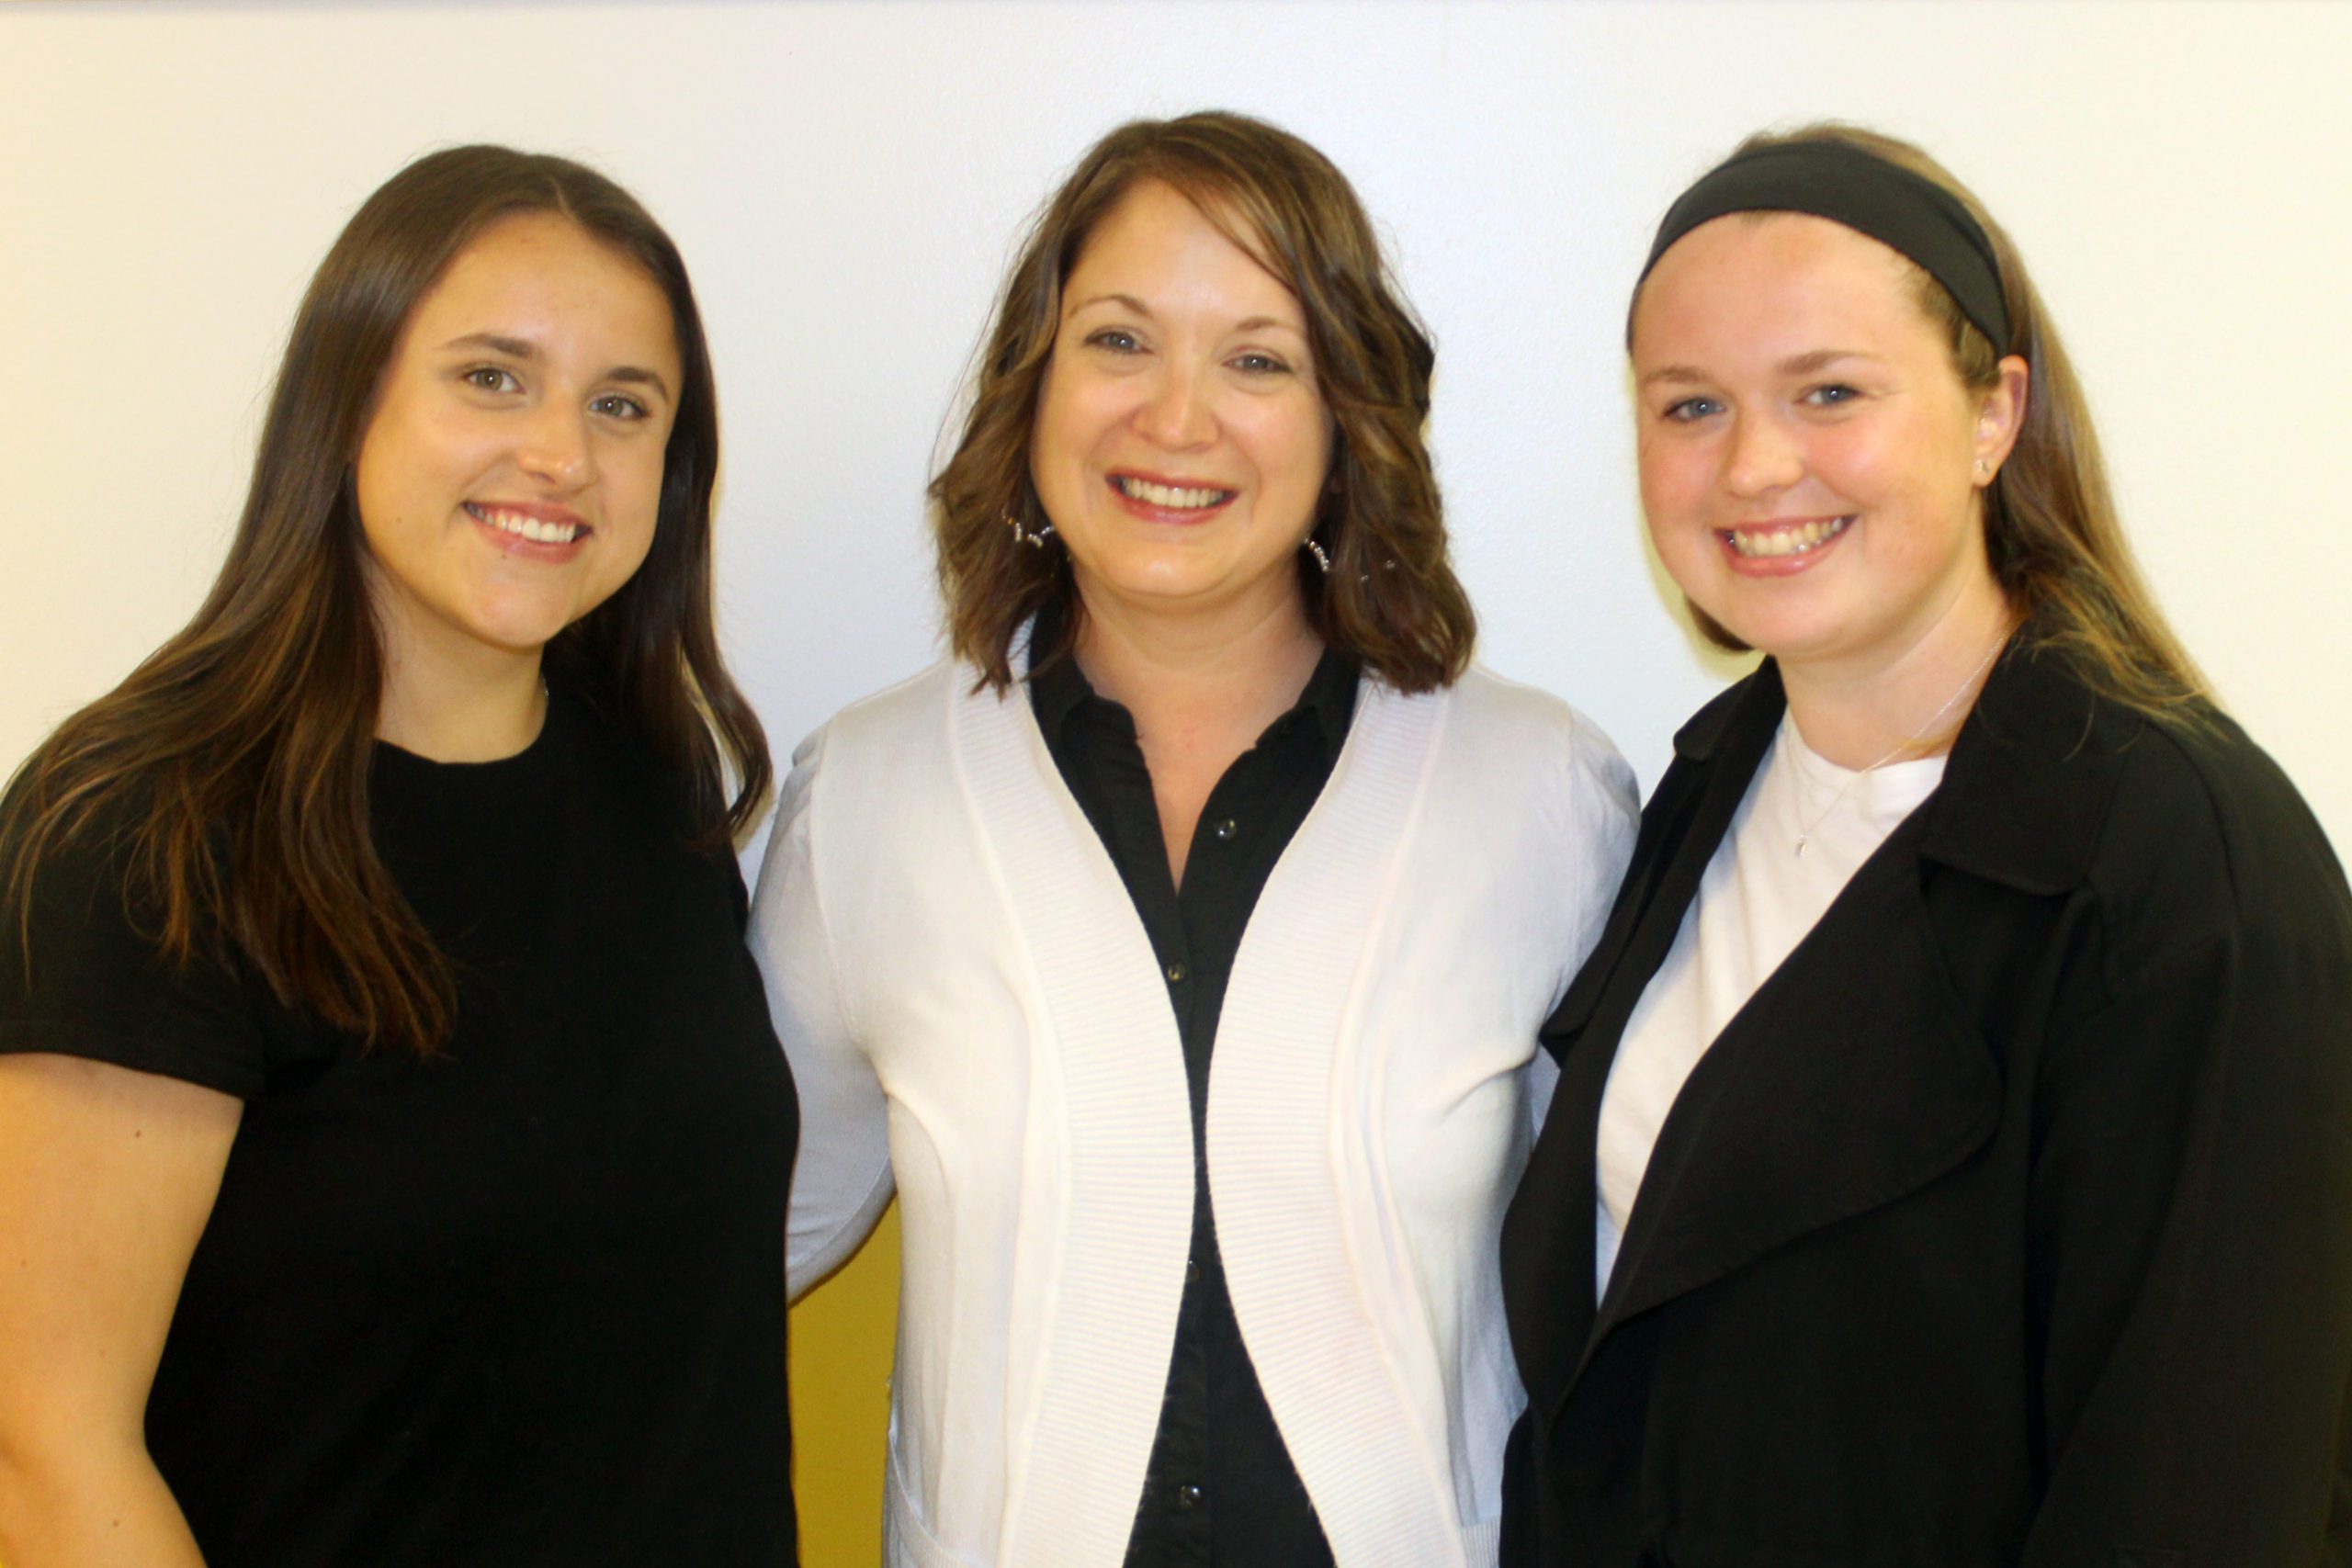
845	179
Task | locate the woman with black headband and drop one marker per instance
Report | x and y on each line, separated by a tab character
1952	1162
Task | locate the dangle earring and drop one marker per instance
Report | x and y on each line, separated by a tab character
1024	535
1314	548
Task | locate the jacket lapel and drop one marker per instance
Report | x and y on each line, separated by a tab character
1849	1079
1845	1082
1548	1230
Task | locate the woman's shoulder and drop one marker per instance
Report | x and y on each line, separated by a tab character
2202	819
871	750
1498	711
83	969
889	717
2184	829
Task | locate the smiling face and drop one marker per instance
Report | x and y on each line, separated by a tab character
1808	452
511	472
1180	444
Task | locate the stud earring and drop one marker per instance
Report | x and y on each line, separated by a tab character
1022	534
1983	469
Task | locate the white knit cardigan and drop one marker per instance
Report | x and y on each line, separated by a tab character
972	1008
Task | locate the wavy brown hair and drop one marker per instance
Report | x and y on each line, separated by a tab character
1390	600
231	769
2052	534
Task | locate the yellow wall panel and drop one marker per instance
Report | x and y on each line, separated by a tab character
841	1335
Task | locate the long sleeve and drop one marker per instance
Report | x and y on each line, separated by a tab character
1602	812
843	1180
2191	1239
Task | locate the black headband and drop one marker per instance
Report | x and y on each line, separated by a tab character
1841	182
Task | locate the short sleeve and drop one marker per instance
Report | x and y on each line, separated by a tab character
83	977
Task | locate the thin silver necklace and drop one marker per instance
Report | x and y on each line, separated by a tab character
1805	835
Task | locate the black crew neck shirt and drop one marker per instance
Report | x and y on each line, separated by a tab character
1220	1488
519	1305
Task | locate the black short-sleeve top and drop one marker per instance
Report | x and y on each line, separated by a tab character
519	1304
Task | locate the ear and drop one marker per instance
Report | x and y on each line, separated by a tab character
2000	415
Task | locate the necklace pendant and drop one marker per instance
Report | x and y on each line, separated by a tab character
1801	839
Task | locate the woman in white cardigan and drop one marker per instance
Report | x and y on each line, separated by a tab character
1208	774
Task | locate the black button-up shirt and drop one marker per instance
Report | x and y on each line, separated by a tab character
1220	1488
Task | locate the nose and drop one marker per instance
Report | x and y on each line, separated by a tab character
1175	411
1762	455
556	448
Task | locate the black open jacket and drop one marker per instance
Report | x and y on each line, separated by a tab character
2009	1222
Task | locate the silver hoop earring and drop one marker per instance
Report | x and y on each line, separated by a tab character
1321	559
1022	534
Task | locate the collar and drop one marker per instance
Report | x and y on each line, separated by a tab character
2030	776
1061	688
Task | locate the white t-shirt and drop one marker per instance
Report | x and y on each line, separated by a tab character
1755	902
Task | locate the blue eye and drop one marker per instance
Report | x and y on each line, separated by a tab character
1118	340
1693	409
1830	394
1257	364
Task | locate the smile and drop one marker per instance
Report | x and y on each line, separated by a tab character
538	530
1171	498
1787	540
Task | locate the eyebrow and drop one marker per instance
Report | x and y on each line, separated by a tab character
1795	364
1128	300
1805	364
520	348
1254	323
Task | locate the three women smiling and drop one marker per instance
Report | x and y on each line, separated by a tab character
1948	1158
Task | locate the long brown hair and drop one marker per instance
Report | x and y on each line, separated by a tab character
233	764
2052	534
1390	600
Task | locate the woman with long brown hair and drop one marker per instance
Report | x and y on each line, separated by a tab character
392	1142
1175	948
1953	1156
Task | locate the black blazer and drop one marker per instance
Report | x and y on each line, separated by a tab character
2010	1222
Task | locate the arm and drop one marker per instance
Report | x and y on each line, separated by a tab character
2191	1237
107	1178
841	1182
1604	811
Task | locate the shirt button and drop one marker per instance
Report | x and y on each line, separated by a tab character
1191	1273
1187	1497
1176	972
1223	830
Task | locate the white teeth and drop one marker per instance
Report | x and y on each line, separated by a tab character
1755	543
1152	494
537	530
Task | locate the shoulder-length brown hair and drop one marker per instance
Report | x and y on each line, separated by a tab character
1390	600
233	764
2052	534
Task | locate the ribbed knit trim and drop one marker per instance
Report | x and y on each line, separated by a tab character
1297	1174
1097	1286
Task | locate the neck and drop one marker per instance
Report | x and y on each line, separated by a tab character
1184	675
489	708
1902	707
